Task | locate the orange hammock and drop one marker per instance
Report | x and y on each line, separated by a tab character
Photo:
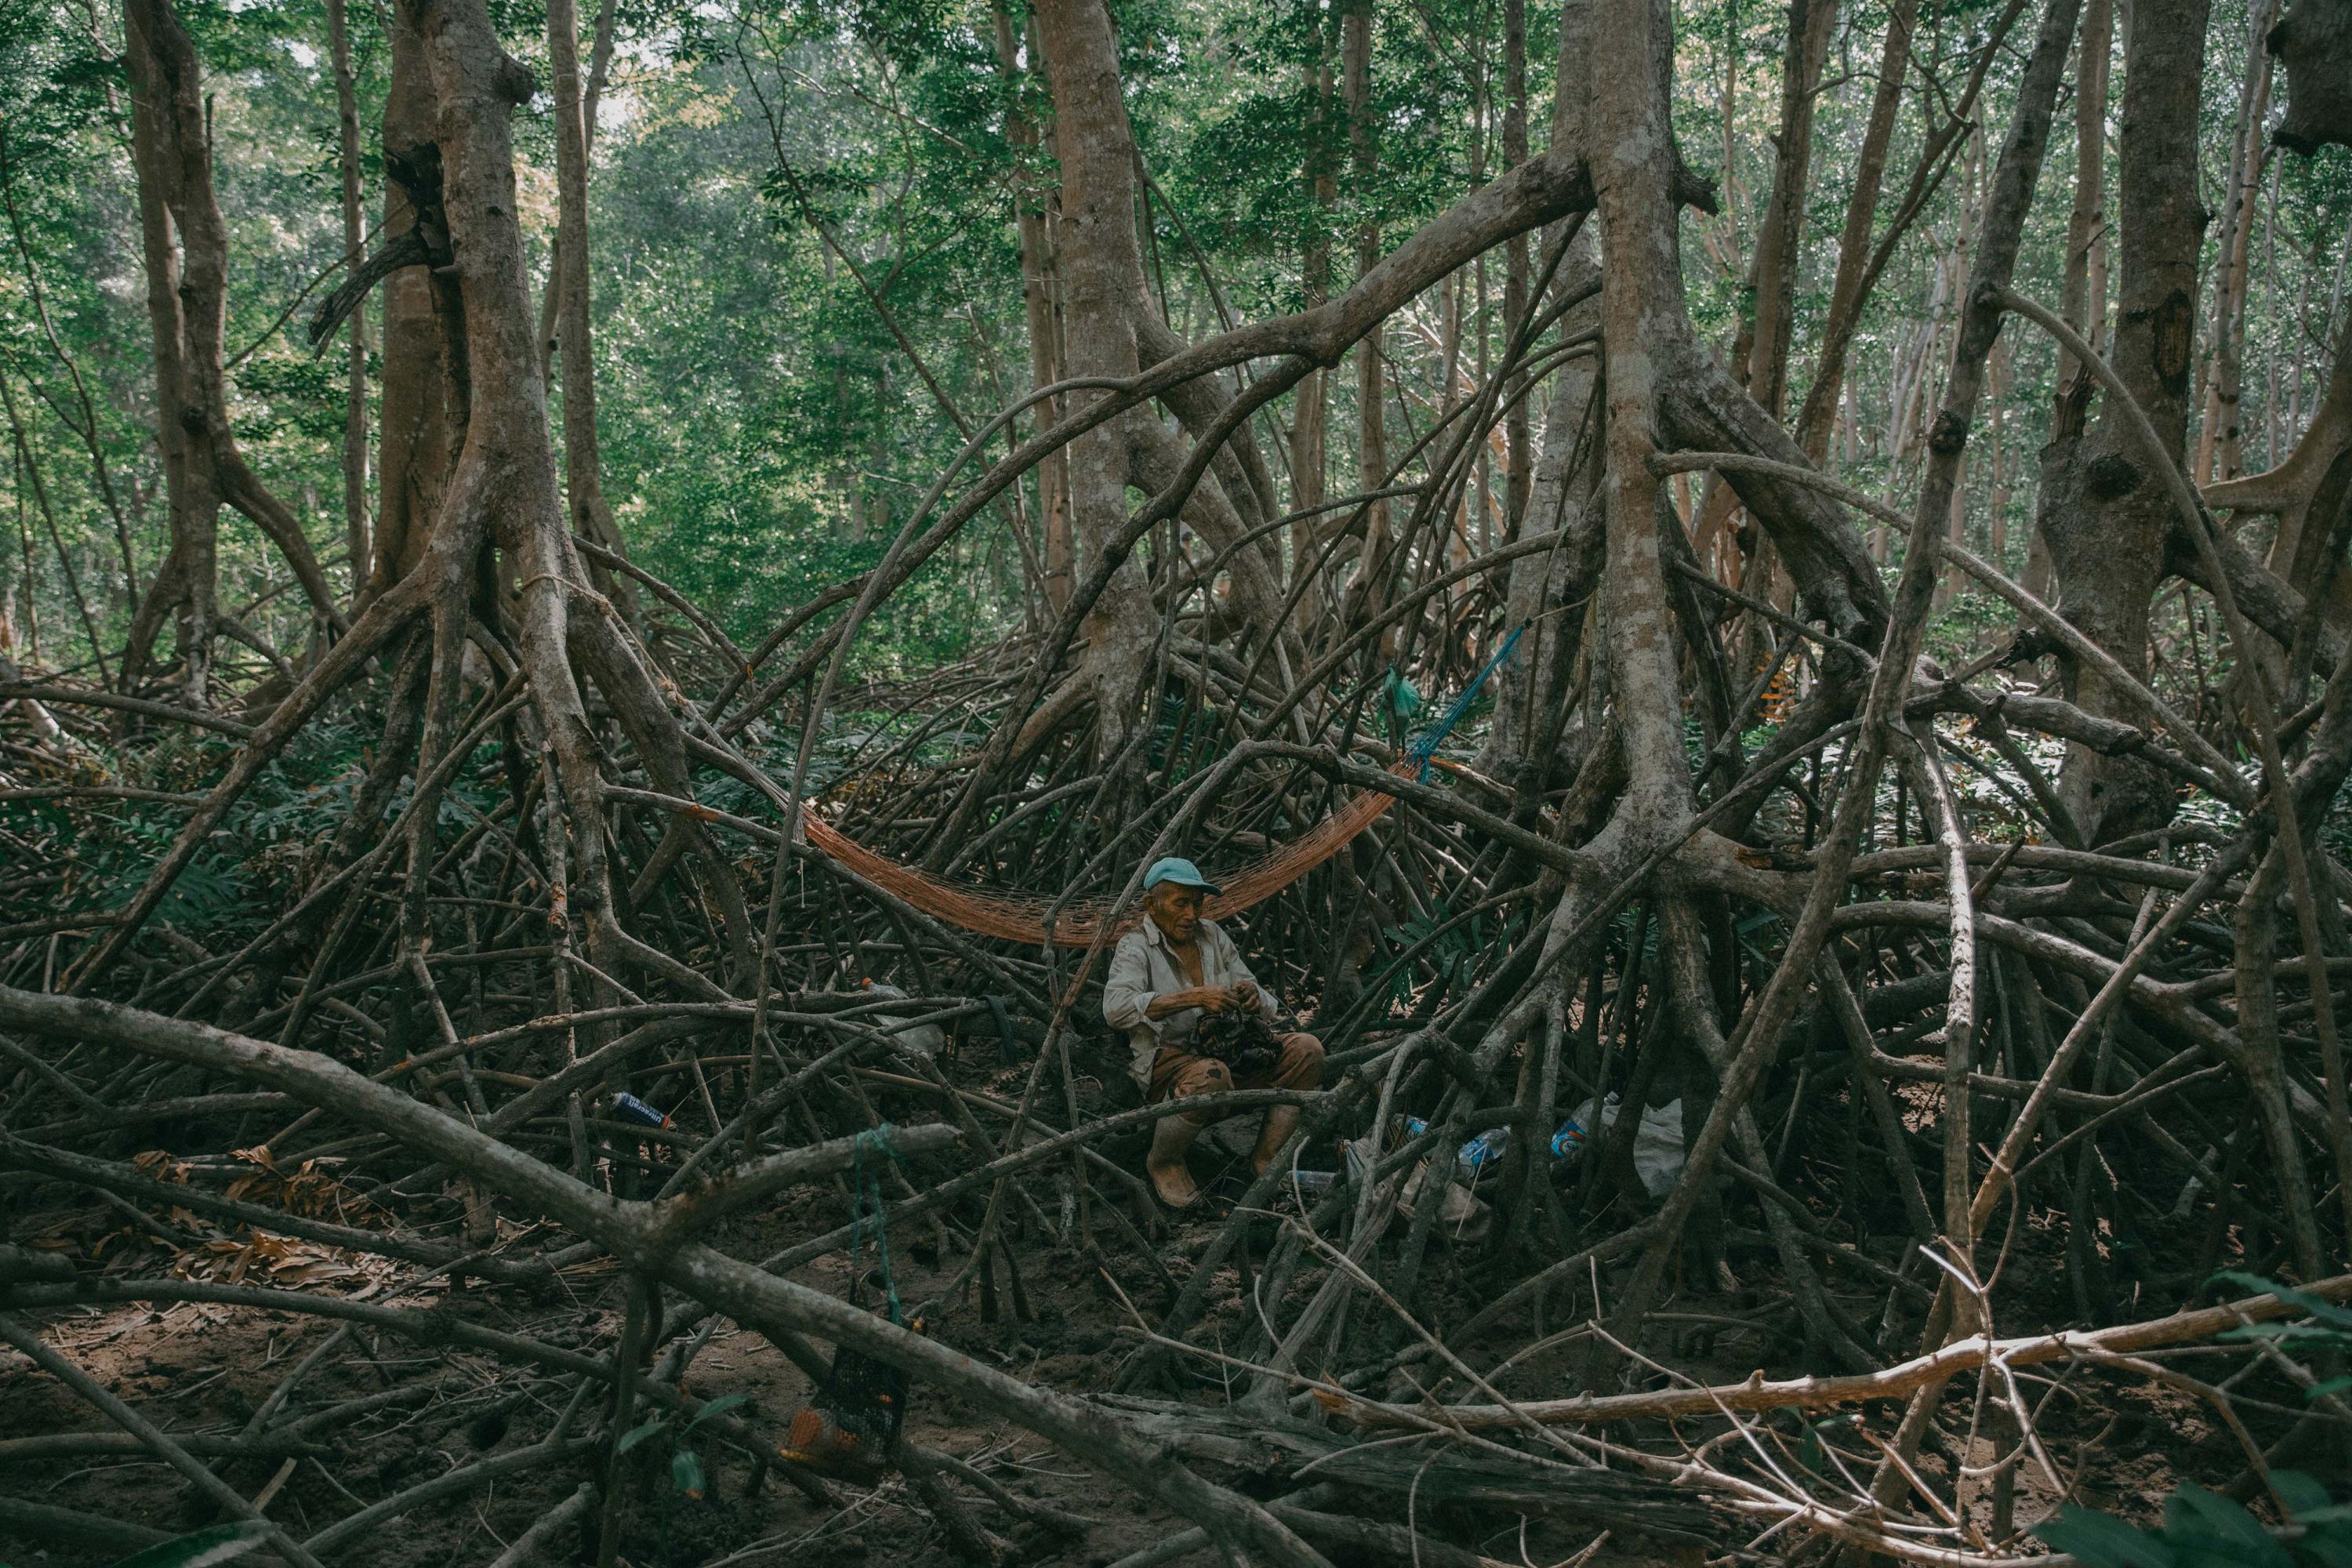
1019	917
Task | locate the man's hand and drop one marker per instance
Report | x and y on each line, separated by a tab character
1208	998
1244	994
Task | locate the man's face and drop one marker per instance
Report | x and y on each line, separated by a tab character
1175	909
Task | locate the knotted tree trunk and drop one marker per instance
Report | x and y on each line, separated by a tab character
470	371
186	247
2105	514
1100	267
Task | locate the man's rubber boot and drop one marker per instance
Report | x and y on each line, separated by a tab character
1280	1122
1171	1180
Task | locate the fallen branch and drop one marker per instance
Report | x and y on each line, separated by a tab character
1816	1393
634	1232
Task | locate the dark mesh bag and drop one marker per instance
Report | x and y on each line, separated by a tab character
850	1428
1239	1037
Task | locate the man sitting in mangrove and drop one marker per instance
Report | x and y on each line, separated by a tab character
1167	977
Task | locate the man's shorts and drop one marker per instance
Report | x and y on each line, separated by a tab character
1175	1074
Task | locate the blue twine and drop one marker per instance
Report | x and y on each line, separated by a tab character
866	1190
1421	750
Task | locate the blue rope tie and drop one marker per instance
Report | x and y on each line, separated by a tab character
1434	736
865	1193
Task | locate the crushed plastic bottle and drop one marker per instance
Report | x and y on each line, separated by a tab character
1314	1183
1491	1146
1486	1149
630	1108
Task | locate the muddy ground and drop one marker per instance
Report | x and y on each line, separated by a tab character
375	1416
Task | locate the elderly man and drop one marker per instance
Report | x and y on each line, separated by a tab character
1166	975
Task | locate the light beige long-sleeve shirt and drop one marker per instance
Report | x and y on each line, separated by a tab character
1144	966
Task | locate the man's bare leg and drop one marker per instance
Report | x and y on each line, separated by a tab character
1171	1177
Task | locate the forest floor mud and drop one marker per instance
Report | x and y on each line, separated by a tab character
375	1416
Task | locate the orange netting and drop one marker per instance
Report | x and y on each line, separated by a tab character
1021	917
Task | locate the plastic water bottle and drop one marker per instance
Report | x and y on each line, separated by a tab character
1486	1149
630	1108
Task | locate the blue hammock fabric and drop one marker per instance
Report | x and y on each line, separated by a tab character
1425	746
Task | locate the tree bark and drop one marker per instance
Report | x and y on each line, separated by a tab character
29	472
1544	596
1039	289
1631	145
1819	414
1518	462
589	513
2084	297
503	487
424	392
1761	350
2105	515
2218	438
1364	595
2313	41
1311	402
186	248
357	533
1102	278
1779	256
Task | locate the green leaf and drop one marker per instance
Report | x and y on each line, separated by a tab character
2309	1337
2300	1492
2333	1386
2330	1543
686	1472
1808	1451
726	1401
639	1433
2100	1540
2326	1311
201	1548
2195	1517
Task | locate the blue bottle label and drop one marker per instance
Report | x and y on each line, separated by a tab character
636	1110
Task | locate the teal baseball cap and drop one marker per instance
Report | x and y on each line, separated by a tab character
1181	871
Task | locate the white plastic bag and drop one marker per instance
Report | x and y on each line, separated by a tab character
924	1039
1657	1142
